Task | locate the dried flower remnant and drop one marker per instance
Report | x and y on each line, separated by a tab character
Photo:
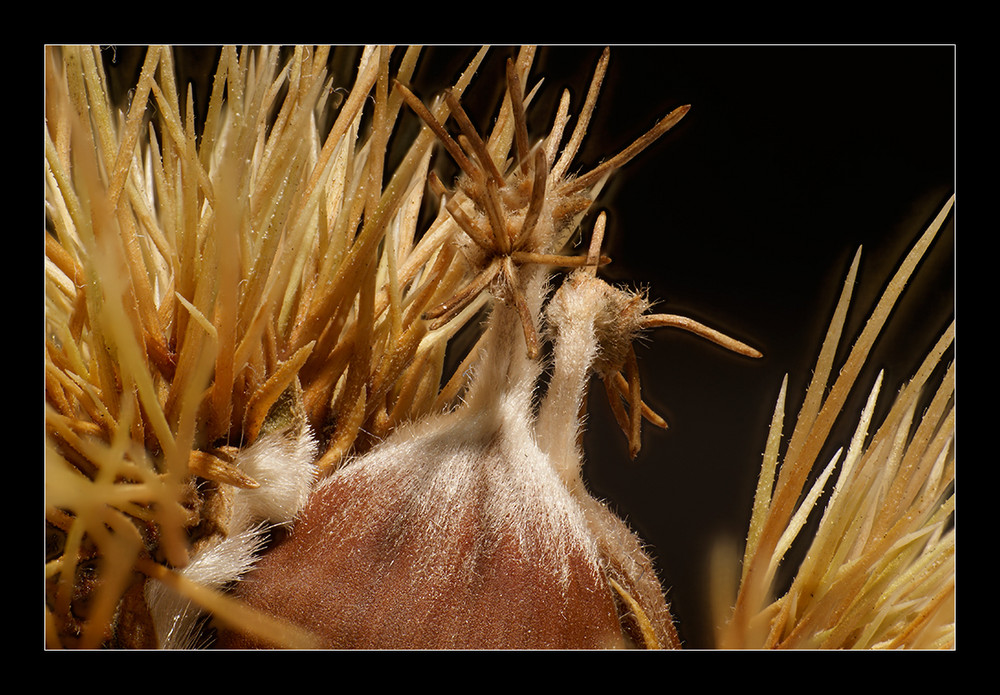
620	316
527	215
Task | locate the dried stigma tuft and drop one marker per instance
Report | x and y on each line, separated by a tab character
519	218
618	316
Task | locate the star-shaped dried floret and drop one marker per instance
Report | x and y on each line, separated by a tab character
519	218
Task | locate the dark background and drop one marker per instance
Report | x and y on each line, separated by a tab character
745	216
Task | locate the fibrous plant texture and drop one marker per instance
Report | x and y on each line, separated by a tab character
238	307
318	346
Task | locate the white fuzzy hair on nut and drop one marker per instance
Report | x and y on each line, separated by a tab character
282	463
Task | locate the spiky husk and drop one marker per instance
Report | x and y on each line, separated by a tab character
198	273
879	571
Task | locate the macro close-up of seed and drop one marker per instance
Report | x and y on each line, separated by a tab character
555	347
